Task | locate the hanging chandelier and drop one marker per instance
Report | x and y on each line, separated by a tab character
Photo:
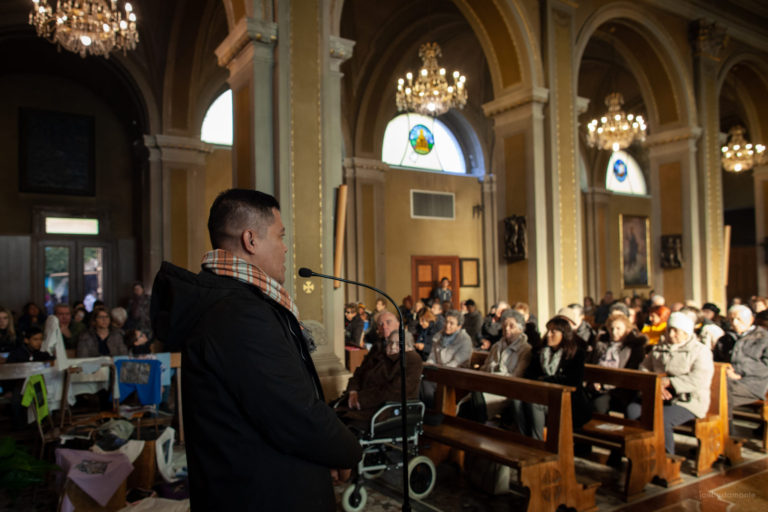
615	130
94	27
739	155
430	94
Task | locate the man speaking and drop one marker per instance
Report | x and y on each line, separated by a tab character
259	433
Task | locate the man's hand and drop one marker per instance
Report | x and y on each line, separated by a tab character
353	402
340	475
665	393
485	344
732	374
419	346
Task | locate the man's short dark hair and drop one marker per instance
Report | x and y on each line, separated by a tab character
232	210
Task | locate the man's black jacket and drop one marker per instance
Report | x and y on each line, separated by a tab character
259	434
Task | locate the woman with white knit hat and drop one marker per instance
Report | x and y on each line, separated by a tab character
689	368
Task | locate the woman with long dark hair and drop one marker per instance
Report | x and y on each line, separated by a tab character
559	361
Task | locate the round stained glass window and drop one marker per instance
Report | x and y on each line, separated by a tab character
620	170
421	139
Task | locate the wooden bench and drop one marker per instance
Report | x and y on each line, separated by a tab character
544	468
756	411
641	441
711	432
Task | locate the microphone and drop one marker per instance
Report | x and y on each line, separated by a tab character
306	273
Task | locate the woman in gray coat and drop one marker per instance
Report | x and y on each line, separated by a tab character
689	368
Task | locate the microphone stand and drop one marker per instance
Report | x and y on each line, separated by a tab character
305	272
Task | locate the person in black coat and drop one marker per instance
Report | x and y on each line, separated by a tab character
260	435
560	361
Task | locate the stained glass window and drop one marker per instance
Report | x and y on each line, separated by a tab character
422	142
624	176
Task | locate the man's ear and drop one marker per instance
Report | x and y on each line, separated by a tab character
248	241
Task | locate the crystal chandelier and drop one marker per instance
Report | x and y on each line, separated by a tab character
739	155
430	94
615	130
85	27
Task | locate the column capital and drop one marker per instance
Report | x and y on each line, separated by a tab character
709	39
365	169
512	98
175	149
673	141
247	30
340	50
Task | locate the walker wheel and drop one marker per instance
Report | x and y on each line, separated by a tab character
421	477
353	499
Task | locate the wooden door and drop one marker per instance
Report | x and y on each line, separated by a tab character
427	271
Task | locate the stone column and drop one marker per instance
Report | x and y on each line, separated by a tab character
180	161
491	254
673	168
597	201
365	228
563	190
248	53
521	190
153	251
707	46
760	176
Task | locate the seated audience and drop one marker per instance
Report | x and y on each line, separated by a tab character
8	338
531	325
473	320
510	356
138	309
759	304
443	293
437	309
118	317
689	369
624	348
377	379
589	310
425	333
451	347
100	339
406	311
490	331
601	312
30	349
138	343
349	314
584	333
748	373
709	329
70	331
381	305
657	326
30	315
560	361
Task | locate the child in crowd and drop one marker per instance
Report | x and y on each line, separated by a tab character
30	350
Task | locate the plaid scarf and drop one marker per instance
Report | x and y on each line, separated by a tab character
224	263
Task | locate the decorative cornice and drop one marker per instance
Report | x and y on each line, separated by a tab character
582	104
366	169
246	30
339	48
513	98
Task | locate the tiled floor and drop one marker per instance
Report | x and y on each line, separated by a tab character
734	489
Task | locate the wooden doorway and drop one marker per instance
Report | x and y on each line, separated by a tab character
427	271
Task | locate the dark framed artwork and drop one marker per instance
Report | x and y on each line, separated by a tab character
515	238
469	269
634	251
671	251
56	153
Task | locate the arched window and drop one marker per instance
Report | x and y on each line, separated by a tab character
624	176
421	142
217	124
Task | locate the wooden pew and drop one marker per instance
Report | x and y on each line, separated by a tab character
711	432
545	468
640	441
756	411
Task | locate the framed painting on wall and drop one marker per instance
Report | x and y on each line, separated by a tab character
470	272
634	251
56	153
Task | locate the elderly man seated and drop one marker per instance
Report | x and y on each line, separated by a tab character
377	379
748	374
